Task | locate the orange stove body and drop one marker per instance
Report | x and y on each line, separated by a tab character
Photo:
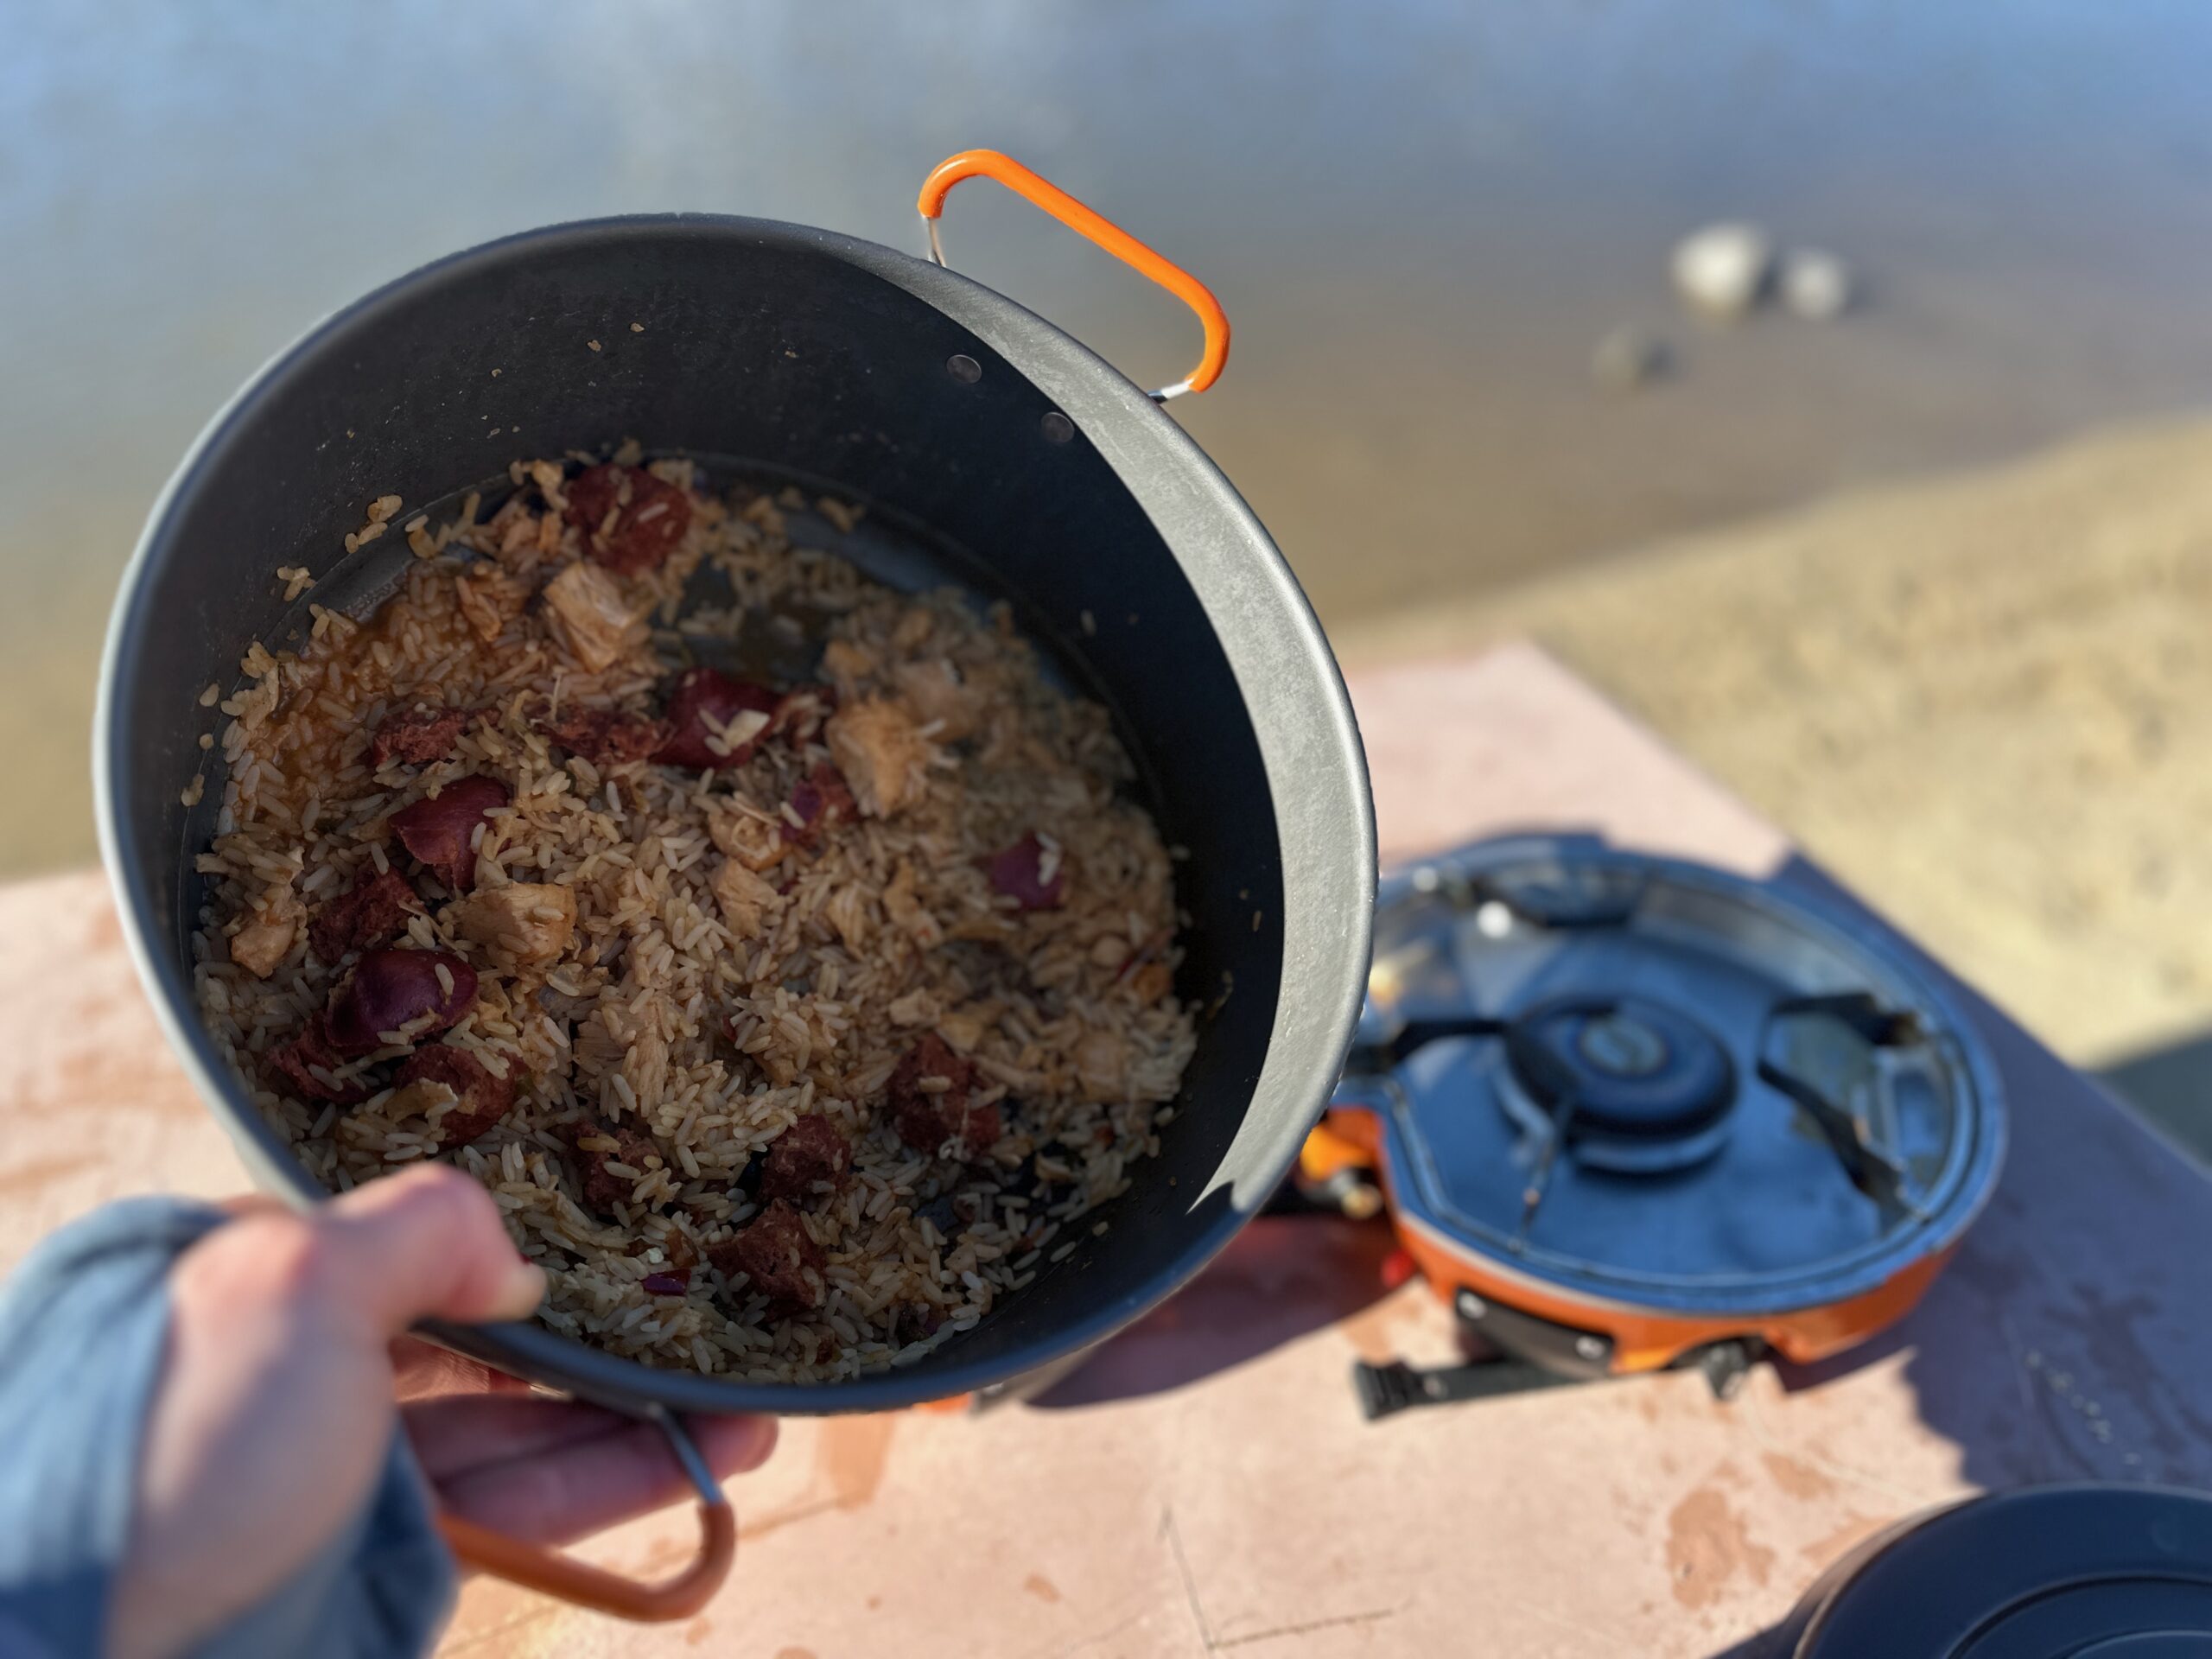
1349	1140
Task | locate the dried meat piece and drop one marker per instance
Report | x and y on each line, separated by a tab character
1030	872
370	915
714	720
799	714
307	1063
483	1097
599	1144
804	1156
606	737
818	799
592	494
440	830
929	1093
779	1258
649	516
418	736
414	992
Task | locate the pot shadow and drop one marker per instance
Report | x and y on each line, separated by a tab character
1282	1277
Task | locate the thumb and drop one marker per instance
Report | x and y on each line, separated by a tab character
427	1244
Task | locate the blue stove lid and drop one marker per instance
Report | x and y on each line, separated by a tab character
1664	1086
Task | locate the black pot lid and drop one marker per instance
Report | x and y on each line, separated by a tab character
2051	1573
1664	1085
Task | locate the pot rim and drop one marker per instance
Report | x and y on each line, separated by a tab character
1294	694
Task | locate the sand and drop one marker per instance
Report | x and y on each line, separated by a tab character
1986	702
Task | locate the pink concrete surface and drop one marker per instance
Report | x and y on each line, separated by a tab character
1206	1484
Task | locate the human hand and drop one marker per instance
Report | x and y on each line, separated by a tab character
286	1363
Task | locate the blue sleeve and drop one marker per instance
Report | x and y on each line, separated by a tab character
83	1324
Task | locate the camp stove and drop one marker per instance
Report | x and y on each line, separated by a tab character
1627	1112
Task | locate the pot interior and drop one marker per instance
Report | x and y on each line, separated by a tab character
770	353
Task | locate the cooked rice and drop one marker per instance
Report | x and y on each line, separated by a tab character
656	1016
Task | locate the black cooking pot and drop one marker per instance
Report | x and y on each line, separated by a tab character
988	446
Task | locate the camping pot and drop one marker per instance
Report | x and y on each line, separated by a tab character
1028	469
2092	1570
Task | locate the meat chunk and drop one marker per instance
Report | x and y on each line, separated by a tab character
632	520
937	695
415	994
593	618
903	905
1151	982
305	1067
929	1093
879	748
264	935
756	843
714	720
779	1258
848	664
606	737
819	800
416	736
799	714
481	1097
372	915
745	898
1030	873
600	1144
525	922
1101	1064
440	830
807	1155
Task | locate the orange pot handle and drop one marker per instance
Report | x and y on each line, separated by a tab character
537	1567
990	164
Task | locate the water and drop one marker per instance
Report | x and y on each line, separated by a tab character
1420	220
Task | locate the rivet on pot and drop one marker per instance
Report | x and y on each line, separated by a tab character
1056	427
964	368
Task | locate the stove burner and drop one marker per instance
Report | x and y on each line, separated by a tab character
1631	1067
1629	1082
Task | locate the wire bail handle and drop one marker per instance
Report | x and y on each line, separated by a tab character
1043	192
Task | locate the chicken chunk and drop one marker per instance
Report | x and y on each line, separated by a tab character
265	934
878	748
1102	1065
847	664
527	922
936	693
595	621
907	912
755	842
745	897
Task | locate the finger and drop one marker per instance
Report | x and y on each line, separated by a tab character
558	1495
426	1244
461	1432
423	1370
248	1204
